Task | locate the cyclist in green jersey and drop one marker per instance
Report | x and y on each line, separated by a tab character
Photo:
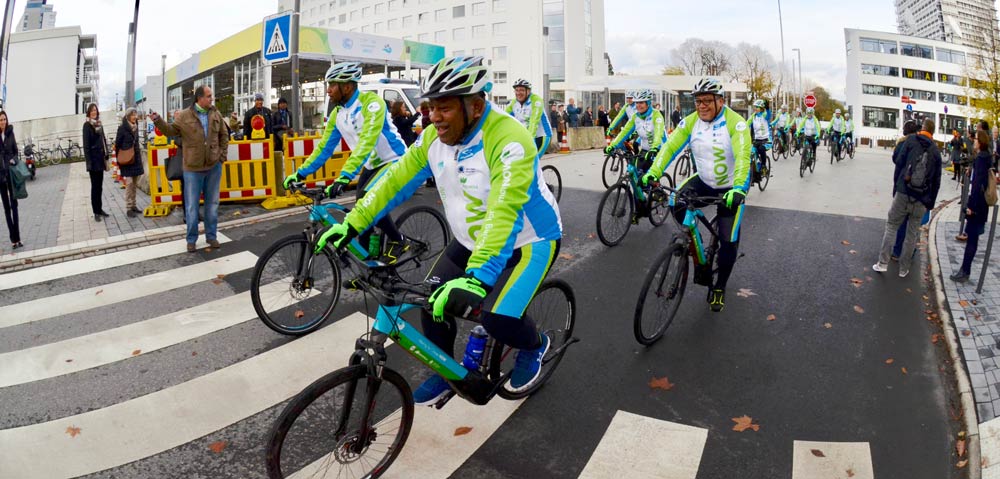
648	125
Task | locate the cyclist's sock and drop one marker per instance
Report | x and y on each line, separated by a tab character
441	334
727	259
518	333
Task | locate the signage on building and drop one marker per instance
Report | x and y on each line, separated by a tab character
908	100
809	100
276	39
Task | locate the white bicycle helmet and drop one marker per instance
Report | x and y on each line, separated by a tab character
758	103
344	72
707	85
629	93
836	112
457	76
522	82
642	95
810	110
784	107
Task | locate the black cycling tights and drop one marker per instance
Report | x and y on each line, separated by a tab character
726	222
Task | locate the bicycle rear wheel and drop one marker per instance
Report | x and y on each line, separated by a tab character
765	174
318	434
614	214
553	308
56	157
292	297
553	180
812	162
659	206
661	294
428	233
613	169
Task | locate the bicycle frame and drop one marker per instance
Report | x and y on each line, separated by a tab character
691	219
320	213
633	182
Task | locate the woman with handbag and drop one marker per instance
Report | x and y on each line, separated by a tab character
976	209
95	150
129	150
8	160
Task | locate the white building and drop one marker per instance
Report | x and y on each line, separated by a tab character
51	72
508	33
967	22
37	15
887	73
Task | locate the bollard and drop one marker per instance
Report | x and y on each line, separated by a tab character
989	249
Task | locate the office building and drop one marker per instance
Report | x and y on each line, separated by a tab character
52	72
972	23
37	15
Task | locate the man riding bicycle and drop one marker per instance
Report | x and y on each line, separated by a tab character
720	145
836	128
625	114
529	109
795	122
848	129
760	126
505	221
361	120
648	125
809	127
781	124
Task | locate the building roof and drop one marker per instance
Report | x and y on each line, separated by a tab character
46	33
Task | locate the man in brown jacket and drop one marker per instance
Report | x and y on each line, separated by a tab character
204	145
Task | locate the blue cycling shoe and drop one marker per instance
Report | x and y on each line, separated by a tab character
528	366
430	391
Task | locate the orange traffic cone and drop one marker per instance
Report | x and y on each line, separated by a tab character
564	144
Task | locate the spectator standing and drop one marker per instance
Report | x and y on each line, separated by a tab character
234	124
258	109
955	147
95	151
404	121
910	128
425	114
676	117
8	159
916	181
602	118
205	147
573	114
554	119
615	111
976	210
281	124
563	120
588	117
128	137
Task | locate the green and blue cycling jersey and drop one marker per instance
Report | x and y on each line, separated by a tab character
760	126
720	149
623	116
837	124
649	127
365	126
782	121
491	187
809	127
532	115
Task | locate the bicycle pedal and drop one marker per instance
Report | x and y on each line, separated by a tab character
444	400
352	284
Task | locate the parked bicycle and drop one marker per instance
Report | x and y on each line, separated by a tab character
294	291
357	419
625	203
54	156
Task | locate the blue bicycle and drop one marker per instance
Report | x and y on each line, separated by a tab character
294	291
624	203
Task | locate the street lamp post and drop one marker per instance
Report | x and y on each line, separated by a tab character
801	91
781	29
163	83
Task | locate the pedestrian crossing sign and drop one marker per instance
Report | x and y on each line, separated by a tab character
276	38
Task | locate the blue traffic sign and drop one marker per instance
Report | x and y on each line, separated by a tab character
909	107
276	40
946	109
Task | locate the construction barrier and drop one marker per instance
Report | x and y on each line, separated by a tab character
296	150
163	194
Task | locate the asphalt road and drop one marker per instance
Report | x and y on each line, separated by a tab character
817	372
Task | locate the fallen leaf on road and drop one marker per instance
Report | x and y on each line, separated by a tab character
963	303
137	352
98	292
194	353
974	302
591	236
859	309
857	282
845	242
966	333
960	447
220	276
935	338
299	314
850	473
852	251
817	453
827	325
565	256
217	446
463	430
217	281
771	317
903	370
908	290
925	297
73	431
745	293
660	383
743	423
890	361
961	464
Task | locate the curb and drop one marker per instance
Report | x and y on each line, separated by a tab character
969	414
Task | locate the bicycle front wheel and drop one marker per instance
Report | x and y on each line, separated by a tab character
56	157
292	290
553	180
765	174
802	165
319	433
428	231
613	169
659	206
553	308
661	294
614	214
812	162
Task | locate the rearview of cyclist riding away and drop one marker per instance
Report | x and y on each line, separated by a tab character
647	124
361	120
529	109
505	221
720	145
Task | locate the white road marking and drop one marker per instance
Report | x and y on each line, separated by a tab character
639	446
826	460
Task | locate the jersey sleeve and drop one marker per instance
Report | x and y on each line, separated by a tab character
659	131
618	119
676	142
739	134
373	116
394	184
511	159
328	143
625	132
510	108
537	110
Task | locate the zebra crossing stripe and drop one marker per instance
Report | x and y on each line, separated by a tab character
640	446
96	263
150	424
90	298
820	460
105	347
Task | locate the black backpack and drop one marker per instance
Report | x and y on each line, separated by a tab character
917	175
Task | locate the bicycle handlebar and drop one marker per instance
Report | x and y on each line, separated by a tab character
314	193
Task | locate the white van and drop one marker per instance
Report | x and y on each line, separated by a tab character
390	90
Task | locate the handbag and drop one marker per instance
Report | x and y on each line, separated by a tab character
126	157
991	188
175	167
18	179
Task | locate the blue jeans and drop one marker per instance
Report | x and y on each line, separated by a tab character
197	184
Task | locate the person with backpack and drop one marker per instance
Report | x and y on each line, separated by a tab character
977	209
916	181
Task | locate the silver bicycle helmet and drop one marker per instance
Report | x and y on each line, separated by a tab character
457	76
758	103
522	82
344	72
707	85
642	95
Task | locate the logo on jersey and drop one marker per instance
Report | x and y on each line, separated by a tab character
741	126
374	106
682	124
420	140
511	153
476	214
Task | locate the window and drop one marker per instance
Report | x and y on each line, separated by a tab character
391	96
951	79
458	53
879	70
343	2
441	36
458	11
343	18
950	56
951	98
920	94
914	50
458	33
440	15
379	27
478	31
949	123
392	24
379	8
422	18
354	15
918	74
880	117
479	52
499	29
321	23
499	5
393	5
366	28
366	12
880	90
479	8
878	46
499	53
408	21
423	37
499	77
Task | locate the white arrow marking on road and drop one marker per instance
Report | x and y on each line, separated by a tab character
129	289
640	446
41	274
105	347
819	460
151	424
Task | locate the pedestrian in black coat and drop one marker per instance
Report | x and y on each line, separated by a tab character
404	121
976	211
258	109
8	159
95	150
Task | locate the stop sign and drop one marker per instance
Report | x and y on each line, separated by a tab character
809	101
